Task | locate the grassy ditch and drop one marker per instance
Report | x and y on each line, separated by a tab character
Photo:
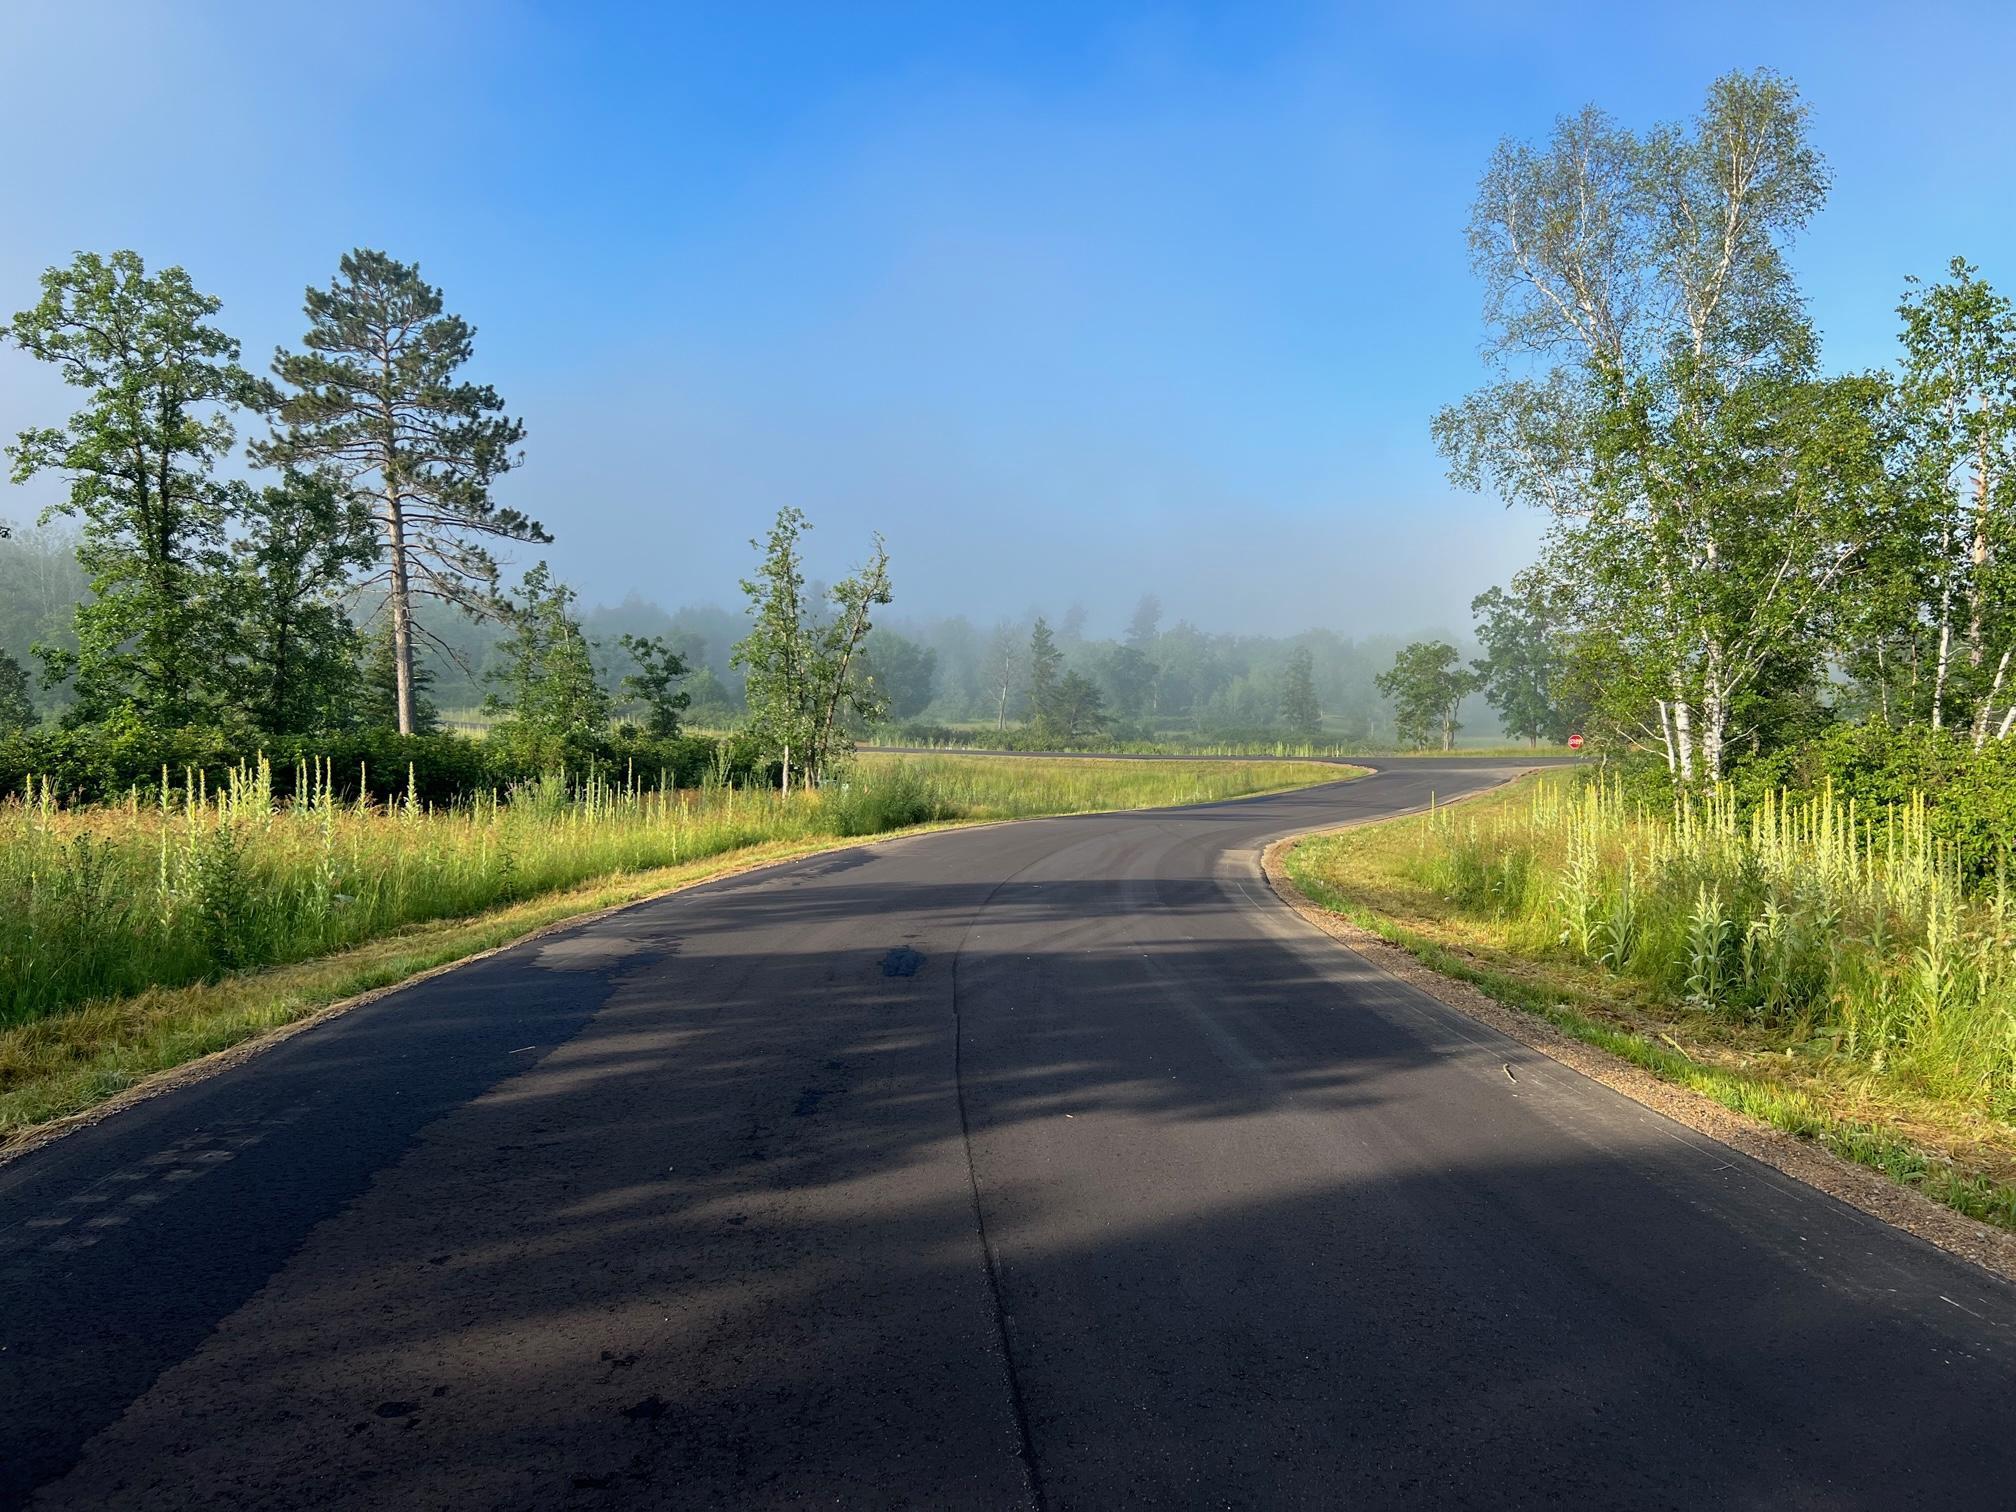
1823	970
135	938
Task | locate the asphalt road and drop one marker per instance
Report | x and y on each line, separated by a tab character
1052	1164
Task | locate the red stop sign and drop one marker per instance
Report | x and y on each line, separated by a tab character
1574	742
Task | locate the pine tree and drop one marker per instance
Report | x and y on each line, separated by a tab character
376	704
377	397
1045	664
1299	710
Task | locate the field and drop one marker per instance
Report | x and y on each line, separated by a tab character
135	937
1825	969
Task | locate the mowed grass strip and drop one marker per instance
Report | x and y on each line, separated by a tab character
575	851
1845	990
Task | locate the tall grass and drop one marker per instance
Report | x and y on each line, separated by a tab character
1839	929
190	883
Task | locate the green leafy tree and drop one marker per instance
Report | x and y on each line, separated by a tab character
1046	664
17	708
140	457
296	651
659	669
906	672
1710	497
1130	680
377	396
1958	395
776	655
1522	661
1299	709
841	687
1427	683
550	689
806	680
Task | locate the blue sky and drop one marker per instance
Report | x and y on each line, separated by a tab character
1071	301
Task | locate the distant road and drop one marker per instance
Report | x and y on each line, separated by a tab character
1051	1164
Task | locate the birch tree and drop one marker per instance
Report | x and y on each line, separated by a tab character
377	397
1958	393
807	679
1654	392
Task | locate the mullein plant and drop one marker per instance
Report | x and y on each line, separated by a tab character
1855	930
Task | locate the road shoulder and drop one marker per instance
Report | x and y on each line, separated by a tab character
1866	1190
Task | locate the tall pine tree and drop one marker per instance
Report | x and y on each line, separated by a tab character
377	397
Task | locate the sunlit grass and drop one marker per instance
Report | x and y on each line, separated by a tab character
135	936
1817	967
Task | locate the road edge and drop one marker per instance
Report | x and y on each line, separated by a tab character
1810	1164
216	1062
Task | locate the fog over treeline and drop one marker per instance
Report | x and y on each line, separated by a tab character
1156	670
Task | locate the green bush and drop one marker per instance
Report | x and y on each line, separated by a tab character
870	801
1970	794
103	764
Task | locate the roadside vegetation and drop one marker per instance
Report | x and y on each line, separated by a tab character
1831	966
1779	602
136	935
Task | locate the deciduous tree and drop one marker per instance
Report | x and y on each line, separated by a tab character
654	683
294	650
1655	393
1522	662
1426	683
547	676
163	386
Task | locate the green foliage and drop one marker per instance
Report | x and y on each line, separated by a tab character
270	864
41	585
162	384
1299	709
550	690
1945	591
1845	929
378	398
1521	669
1972	794
658	667
17	708
1045	666
1709	492
885	797
295	670
1075	711
807	678
1426	683
375	703
905	672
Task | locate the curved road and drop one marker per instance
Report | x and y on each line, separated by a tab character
1046	1165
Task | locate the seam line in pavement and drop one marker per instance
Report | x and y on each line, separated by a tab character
1026	1448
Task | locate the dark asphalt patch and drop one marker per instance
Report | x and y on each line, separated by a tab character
901	962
